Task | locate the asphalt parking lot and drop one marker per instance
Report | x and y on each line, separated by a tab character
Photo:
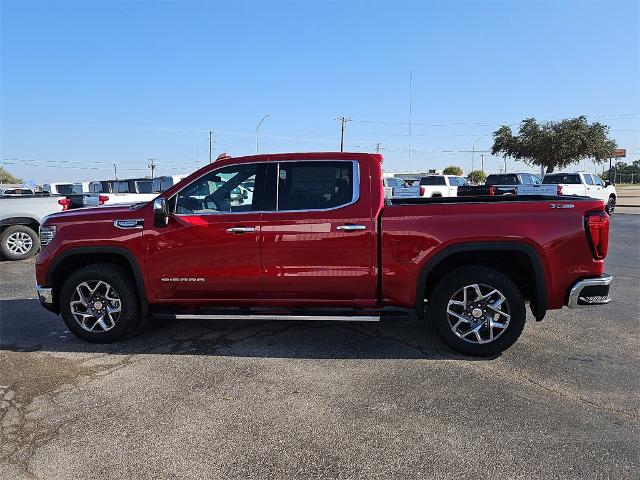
197	399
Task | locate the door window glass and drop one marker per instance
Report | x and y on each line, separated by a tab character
598	181
588	180
315	185
227	190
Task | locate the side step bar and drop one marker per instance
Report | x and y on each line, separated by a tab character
253	316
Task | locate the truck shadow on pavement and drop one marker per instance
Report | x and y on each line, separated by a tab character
26	327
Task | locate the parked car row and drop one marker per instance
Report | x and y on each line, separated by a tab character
22	210
521	183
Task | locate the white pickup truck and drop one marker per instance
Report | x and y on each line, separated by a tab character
441	185
111	192
20	219
584	185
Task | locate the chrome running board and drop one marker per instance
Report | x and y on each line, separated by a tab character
304	318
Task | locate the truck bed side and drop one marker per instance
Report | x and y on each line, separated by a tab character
550	231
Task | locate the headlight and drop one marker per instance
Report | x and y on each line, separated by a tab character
47	232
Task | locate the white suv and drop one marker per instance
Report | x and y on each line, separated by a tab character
584	185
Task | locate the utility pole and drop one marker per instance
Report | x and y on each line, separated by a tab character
378	146
482	162
410	108
210	144
115	172
343	124
152	166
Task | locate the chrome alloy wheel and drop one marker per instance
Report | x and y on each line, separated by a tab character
19	243
478	313
95	306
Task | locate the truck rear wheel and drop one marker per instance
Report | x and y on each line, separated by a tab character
18	242
477	311
99	303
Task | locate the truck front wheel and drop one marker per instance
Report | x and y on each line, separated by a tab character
477	311
99	303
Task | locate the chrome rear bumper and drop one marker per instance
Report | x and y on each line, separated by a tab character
590	291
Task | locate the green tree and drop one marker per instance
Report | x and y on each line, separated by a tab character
452	170
554	144
6	177
477	176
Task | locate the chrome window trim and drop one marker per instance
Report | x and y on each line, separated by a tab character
354	197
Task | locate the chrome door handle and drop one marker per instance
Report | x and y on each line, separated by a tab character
350	227
241	230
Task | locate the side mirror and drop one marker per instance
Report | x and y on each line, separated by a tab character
160	212
607	183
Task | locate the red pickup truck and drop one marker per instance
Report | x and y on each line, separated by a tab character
310	237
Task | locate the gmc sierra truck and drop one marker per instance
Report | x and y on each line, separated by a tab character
316	240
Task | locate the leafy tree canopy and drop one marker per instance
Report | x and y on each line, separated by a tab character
452	170
477	176
554	144
6	177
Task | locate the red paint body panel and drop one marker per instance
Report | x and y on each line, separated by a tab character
300	258
413	235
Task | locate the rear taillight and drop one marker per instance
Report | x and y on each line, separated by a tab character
102	199
597	227
65	202
559	190
492	191
422	190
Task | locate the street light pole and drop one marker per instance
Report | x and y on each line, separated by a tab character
473	150
257	129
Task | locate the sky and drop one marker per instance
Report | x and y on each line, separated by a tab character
86	85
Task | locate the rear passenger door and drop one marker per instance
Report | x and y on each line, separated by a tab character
318	236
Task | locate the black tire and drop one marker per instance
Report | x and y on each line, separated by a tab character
611	205
121	282
13	240
451	285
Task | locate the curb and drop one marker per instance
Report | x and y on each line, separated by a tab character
627	206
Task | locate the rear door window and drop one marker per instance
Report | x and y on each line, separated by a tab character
316	185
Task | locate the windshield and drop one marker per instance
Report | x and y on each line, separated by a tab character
566	178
